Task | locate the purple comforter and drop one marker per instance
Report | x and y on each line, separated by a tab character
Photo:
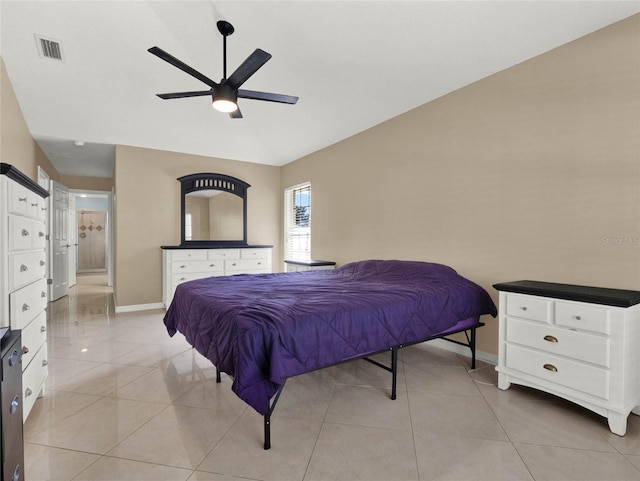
263	328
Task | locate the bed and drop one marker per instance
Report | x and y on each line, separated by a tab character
262	329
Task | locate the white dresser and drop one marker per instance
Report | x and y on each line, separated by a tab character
186	264
23	286
580	343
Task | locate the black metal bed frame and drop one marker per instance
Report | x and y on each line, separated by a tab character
469	332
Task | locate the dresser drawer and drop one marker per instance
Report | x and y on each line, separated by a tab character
222	254
189	255
26	233
211	266
254	253
528	307
26	303
33	337
245	265
26	267
581	346
582	316
563	372
18	199
33	379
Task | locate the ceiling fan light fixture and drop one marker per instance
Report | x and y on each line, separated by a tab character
224	105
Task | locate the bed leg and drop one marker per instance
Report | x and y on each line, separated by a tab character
218	377
473	348
267	418
394	371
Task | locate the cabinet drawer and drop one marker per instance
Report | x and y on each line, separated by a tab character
563	372
26	267
581	346
222	254
26	233
33	379
245	265
33	337
26	303
197	266
254	253
528	307
18	198
186	255
582	316
189	276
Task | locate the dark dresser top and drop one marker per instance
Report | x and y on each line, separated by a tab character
570	292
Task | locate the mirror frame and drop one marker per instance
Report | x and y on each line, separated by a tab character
205	181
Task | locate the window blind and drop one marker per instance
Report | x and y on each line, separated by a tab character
297	222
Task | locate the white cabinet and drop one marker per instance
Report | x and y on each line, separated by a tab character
181	265
580	343
23	286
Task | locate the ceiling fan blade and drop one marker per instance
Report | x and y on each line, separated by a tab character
269	97
179	95
167	57
250	66
236	114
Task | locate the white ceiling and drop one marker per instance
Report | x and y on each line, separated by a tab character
353	65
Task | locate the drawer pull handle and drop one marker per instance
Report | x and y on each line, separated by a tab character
259	263
15	403
182	267
25	350
43	329
233	264
13	358
45	362
23	268
34	205
550	367
42	263
524	308
578	318
28	392
550	338
25	307
22	199
40	234
183	278
25	232
212	265
43	294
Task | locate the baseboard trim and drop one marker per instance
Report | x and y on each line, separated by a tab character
465	351
139	307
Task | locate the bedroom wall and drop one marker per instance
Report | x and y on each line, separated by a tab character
17	146
532	173
147	213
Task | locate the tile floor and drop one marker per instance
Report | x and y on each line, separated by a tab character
124	401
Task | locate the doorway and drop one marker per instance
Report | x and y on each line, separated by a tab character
92	240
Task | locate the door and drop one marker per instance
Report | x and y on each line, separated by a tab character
60	241
73	241
92	255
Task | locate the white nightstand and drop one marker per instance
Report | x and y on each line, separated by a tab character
580	343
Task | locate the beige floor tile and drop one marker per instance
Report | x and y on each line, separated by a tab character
446	414
150	355
369	406
44	463
53	407
427	353
61	370
449	458
240	452
630	442
178	436
98	427
102	380
204	476
209	394
635	460
304	398
560	424
444	379
363	373
563	464
346	453
116	469
89	349
159	386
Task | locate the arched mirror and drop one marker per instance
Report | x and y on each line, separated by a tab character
213	210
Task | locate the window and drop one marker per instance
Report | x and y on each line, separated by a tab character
187	227
297	222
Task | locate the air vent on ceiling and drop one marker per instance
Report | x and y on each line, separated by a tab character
49	48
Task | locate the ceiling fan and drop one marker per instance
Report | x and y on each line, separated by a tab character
225	93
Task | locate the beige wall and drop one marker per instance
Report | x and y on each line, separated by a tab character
532	173
87	183
17	147
147	213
